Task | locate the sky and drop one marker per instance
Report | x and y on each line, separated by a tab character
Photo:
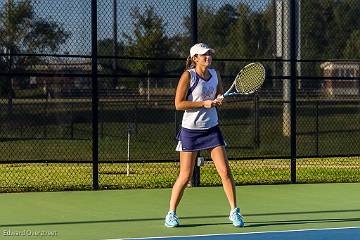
75	17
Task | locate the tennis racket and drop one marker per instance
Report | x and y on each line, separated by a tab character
248	80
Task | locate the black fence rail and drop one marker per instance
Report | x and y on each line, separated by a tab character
87	91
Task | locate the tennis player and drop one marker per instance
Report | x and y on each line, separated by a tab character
196	94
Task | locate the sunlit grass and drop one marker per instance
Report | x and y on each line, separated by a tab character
55	176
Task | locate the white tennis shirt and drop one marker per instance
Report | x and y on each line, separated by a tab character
201	90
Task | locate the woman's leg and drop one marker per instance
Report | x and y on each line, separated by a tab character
187	162
219	158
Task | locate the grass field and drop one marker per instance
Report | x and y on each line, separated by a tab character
55	176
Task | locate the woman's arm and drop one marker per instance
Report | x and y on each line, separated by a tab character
220	89
181	103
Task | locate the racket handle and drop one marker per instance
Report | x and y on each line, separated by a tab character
220	97
231	94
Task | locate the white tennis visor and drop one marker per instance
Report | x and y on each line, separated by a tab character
200	48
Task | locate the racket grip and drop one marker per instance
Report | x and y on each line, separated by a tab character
220	97
227	94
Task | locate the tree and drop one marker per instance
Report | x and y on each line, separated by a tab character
238	40
328	31
352	49
205	18
148	39
22	31
213	27
105	48
347	23
224	19
315	19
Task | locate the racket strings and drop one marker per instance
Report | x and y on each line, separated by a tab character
250	78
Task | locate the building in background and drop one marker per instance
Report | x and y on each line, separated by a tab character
341	87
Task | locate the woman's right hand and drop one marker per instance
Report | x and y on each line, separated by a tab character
212	103
208	104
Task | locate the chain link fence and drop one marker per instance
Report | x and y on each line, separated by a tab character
80	115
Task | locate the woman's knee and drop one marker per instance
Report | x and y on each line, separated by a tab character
184	178
225	174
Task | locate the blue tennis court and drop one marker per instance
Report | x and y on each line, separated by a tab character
350	233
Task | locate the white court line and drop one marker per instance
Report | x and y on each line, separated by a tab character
245	233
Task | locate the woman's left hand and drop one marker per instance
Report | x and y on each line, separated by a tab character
218	101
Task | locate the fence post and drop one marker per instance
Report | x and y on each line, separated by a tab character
256	122
95	143
102	112
293	80
115	43
195	180
176	123
194	22
46	118
317	128
72	121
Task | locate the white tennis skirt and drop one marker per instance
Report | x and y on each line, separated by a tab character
190	140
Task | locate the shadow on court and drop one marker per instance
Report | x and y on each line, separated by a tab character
301	221
248	224
203	224
303	212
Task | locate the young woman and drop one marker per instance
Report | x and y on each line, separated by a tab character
196	94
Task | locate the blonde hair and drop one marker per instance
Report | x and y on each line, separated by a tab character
189	63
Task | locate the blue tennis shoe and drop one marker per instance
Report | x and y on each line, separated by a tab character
236	218
171	220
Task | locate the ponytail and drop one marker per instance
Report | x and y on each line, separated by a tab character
189	63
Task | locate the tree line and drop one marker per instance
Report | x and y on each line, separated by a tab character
22	31
329	30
